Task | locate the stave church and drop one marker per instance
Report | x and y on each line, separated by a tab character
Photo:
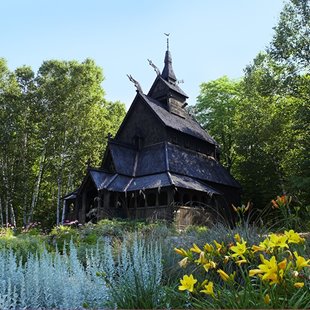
159	161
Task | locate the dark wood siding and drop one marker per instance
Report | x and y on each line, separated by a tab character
143	123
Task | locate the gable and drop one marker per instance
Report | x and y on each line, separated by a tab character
186	125
141	122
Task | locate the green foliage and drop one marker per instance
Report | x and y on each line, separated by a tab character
216	110
51	124
63	235
22	245
262	121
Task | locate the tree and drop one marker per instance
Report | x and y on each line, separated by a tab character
51	124
216	110
290	45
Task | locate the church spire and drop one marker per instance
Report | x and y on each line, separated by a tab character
168	73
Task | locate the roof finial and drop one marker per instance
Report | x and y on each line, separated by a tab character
167	35
135	82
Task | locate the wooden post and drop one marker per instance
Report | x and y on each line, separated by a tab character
170	201
83	209
99	206
135	205
106	204
157	199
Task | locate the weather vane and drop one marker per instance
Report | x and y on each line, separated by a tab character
167	35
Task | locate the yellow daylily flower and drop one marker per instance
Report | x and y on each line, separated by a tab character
223	275
237	237
262	247
195	249
208	248
293	237
299	284
254	272
301	262
181	251
210	265
272	270
187	283
241	261
208	289
184	262
218	246
239	249
202	259
278	241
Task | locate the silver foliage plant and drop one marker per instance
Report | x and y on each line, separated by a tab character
135	278
54	280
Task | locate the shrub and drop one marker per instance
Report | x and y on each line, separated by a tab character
135	277
50	281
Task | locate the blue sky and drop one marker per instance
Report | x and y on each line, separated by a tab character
208	38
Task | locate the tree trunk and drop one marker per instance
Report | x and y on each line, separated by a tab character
7	212
59	181
69	184
13	218
37	187
1	214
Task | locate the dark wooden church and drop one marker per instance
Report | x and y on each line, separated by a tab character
160	158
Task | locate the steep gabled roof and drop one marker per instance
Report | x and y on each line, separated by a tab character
197	165
185	125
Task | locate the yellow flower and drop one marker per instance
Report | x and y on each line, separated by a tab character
184	262
208	247
187	283
278	241
271	270
218	246
208	289
301	262
254	272
181	251
267	299
237	237
195	249
239	249
223	275
299	284
259	248
201	260
241	261
262	247
210	265
293	237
